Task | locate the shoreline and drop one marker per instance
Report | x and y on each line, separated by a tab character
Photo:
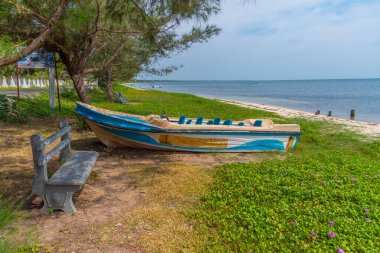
371	129
368	128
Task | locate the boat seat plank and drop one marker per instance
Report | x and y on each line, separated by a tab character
199	120
258	123
217	121
227	122
182	120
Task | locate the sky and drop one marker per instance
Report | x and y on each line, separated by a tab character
286	40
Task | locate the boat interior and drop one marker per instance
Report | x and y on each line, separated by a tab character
199	123
219	124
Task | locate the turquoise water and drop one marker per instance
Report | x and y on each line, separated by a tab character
338	96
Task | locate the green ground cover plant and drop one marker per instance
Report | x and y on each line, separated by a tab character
10	110
310	204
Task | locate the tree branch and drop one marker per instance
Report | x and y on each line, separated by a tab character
106	63
145	15
38	41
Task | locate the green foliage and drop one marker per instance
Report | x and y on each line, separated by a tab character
7	212
69	94
275	206
10	110
120	38
6	47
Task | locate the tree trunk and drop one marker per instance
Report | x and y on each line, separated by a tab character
109	85
78	80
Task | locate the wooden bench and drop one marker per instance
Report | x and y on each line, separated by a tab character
57	191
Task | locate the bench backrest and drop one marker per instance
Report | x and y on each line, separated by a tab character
41	157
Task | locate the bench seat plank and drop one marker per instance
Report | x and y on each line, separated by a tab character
75	170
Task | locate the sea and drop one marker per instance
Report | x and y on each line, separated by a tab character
338	96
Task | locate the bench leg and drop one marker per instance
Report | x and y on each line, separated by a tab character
59	200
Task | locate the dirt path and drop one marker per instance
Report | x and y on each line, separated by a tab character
124	183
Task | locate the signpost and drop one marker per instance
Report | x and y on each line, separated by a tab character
39	59
18	84
56	77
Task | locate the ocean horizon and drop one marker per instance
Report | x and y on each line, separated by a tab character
337	95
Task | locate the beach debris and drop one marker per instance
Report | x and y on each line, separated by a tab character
352	114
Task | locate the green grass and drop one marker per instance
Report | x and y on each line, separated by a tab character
145	103
7	212
8	209
15	88
250	207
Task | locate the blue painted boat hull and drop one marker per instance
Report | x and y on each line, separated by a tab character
115	129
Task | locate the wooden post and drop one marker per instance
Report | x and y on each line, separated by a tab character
56	79
329	114
51	88
352	116
65	152
18	84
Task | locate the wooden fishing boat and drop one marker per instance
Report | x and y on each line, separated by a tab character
195	135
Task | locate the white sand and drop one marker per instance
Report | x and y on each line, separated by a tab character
370	129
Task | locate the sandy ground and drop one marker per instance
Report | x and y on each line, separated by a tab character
367	128
122	182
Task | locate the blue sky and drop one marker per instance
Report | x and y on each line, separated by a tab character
287	40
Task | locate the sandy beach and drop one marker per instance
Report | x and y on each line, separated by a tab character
371	129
